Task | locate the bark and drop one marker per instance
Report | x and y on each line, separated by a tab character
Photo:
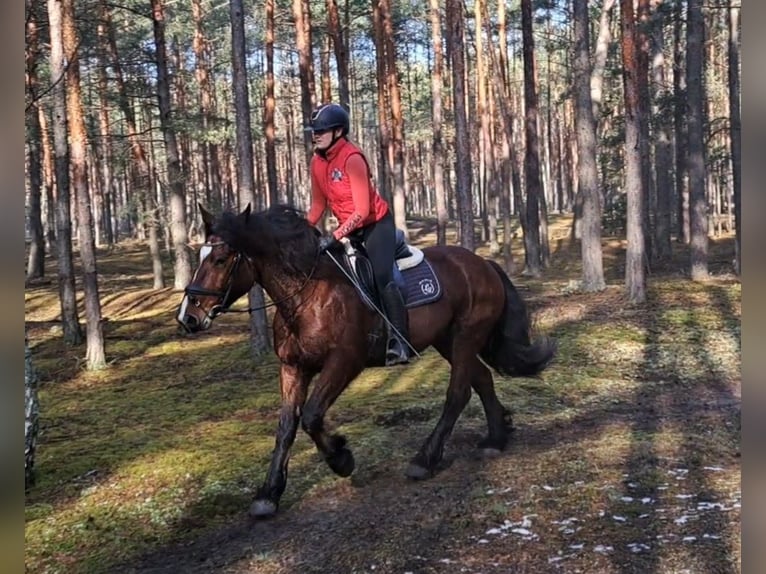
141	177
31	416
486	140
105	144
698	224
341	51
302	17
463	191
599	57
647	183
95	357
679	124
36	260
634	262
182	263
506	161
385	146
259	340
48	180
66	277
533	250
735	130
437	145
396	119
663	151
269	108
587	170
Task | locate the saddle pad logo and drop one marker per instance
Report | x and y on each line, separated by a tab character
427	287
336	174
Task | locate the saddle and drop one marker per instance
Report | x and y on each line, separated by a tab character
412	272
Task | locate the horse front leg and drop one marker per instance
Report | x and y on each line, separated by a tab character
293	383
333	379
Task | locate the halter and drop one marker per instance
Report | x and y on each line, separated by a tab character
219	309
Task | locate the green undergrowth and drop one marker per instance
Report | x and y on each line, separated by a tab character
175	436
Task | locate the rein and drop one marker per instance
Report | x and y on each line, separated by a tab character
223	295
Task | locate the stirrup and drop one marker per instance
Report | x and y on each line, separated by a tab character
396	353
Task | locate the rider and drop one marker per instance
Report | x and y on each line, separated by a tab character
341	180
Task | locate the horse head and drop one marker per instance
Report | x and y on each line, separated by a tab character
223	275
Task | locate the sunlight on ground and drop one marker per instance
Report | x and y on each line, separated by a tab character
625	455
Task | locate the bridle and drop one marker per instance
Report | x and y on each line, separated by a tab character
193	292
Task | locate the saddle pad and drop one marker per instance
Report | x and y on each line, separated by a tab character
421	285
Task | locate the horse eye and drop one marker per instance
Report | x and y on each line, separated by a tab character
220	262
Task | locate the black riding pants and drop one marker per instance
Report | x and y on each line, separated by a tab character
380	242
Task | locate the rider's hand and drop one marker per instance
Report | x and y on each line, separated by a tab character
326	241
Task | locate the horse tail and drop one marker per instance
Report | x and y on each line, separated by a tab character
510	350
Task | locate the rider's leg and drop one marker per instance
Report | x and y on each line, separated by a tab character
380	242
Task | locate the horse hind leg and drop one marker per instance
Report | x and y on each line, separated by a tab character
499	420
425	463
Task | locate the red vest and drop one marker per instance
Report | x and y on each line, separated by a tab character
335	184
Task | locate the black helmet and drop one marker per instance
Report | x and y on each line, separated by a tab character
329	116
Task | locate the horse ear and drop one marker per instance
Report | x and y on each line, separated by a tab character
207	219
246	213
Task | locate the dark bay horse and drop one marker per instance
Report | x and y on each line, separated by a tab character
321	329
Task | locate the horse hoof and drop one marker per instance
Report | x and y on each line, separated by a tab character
417	472
263	508
342	462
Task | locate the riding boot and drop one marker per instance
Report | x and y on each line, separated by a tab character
397	350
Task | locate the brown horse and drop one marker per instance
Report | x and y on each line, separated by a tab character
322	331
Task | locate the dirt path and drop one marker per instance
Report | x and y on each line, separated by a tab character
455	523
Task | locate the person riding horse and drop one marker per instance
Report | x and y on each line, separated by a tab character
341	180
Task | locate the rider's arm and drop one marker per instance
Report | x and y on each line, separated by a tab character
318	201
358	175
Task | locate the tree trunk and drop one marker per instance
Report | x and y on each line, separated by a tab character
302	16
141	177
48	180
341	52
532	244
437	145
67	295
735	131
679	123
698	224
634	262
36	261
397	121
269	108
599	58
663	151
31	416
463	192
259	340
642	47
385	146
95	358
587	170
182	264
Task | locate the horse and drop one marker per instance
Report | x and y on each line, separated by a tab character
322	332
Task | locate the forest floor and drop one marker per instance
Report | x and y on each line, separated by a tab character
625	456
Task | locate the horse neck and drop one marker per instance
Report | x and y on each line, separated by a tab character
284	289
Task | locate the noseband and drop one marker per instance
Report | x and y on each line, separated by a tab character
193	291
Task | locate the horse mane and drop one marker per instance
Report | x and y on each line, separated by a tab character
280	234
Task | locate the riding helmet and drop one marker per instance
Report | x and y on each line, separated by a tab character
329	116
